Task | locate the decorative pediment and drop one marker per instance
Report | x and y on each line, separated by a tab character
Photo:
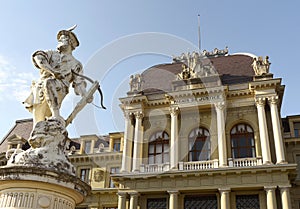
15	139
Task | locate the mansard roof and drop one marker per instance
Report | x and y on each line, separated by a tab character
232	69
22	129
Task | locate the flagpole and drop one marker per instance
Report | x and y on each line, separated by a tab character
199	38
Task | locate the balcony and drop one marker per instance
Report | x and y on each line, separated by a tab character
244	162
198	165
201	165
154	168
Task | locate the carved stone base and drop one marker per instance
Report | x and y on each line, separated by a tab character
29	187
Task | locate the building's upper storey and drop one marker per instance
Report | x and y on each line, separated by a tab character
205	74
217	94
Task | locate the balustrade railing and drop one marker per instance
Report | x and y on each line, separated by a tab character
201	165
244	162
154	168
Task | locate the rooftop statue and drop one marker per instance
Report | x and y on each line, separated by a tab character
135	82
58	70
261	66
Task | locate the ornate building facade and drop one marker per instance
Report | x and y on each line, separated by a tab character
204	131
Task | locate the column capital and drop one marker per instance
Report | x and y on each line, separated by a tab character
284	187
133	194
224	190
174	110
122	194
270	188
273	100
173	192
128	115
220	105
139	115
260	101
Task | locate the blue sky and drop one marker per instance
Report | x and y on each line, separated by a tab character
106	28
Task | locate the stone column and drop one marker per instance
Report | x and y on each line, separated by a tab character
225	198
174	138
133	200
127	149
138	141
280	158
263	130
173	200
121	200
220	107
285	197
271	197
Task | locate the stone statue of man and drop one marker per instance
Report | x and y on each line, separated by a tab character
58	69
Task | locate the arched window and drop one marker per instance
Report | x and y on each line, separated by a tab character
242	141
199	144
158	150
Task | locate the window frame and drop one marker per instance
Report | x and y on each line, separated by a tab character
117	145
87	175
113	170
88	147
242	141
199	136
157	139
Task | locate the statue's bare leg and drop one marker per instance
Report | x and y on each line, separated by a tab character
52	97
54	93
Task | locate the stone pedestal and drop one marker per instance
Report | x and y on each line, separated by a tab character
35	188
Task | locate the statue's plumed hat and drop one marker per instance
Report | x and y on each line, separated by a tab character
72	36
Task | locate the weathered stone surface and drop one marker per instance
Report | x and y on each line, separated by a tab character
48	141
33	187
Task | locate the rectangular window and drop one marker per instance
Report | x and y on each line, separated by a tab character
117	145
87	147
297	129
157	203
247	201
113	170
85	175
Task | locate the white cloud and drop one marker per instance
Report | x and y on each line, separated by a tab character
14	85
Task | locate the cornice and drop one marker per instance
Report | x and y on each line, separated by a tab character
133	100
261	84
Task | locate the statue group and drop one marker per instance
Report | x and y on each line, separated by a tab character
59	69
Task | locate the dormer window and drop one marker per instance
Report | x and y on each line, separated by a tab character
117	145
87	147
297	129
